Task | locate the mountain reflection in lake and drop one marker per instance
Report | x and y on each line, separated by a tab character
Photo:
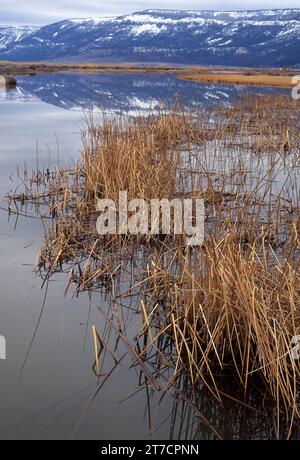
125	92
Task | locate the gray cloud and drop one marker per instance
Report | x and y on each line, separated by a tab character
46	11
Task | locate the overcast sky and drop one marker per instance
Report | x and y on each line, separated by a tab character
46	11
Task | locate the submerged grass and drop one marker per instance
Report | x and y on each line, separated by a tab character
230	307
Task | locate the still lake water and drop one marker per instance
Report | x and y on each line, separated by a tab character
45	114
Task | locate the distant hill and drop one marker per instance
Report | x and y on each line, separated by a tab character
10	36
243	38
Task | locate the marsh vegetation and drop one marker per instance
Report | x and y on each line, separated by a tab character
217	319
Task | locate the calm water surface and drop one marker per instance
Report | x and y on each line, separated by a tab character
45	114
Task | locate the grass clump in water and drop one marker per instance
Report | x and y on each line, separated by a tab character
230	306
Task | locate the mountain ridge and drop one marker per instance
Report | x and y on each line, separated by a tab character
250	38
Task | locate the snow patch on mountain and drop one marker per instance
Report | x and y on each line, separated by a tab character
148	29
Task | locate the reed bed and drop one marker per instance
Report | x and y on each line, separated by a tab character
229	307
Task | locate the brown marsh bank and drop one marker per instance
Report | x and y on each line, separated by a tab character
219	75
218	319
29	68
242	79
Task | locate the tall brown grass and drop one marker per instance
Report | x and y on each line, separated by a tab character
231	306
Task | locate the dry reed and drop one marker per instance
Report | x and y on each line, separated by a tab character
231	306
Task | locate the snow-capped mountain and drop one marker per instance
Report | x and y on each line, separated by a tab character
11	35
249	38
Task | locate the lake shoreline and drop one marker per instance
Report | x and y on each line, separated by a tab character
202	74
